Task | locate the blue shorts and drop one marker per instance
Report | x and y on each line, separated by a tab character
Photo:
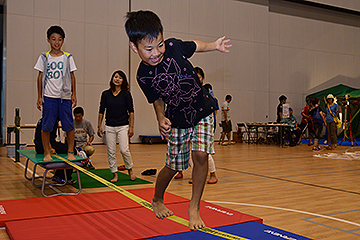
54	107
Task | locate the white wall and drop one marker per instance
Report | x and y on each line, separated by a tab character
94	34
272	54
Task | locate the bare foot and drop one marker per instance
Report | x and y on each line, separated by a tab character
47	158
71	157
195	221
115	179
161	211
132	175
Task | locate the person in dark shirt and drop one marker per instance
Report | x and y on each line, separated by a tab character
318	119
55	147
279	109
119	122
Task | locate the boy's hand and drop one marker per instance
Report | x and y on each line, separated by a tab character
164	128
221	44
39	104
73	101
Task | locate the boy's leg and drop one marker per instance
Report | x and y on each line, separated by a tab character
222	137
333	135
49	115
45	136
229	137
70	136
177	155
223	123
199	174
162	181
202	144
67	122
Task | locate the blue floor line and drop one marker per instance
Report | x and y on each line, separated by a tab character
342	230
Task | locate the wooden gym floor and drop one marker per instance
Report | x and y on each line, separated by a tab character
287	187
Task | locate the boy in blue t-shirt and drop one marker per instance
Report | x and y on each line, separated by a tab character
168	79
56	90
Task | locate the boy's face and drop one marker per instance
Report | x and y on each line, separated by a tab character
152	51
201	78
78	117
56	41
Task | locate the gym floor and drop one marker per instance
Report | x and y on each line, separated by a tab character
313	194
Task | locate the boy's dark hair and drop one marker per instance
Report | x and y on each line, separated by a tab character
78	110
142	24
282	97
124	85
55	29
208	86
228	97
314	101
198	70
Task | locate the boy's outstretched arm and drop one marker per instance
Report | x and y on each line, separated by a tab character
164	123
219	44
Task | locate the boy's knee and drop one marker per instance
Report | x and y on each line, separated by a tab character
89	150
199	157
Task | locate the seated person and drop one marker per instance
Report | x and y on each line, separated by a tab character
293	132
83	129
55	147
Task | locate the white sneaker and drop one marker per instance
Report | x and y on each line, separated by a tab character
82	154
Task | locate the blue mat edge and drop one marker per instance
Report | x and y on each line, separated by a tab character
256	231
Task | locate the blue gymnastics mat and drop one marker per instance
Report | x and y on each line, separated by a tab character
347	142
246	231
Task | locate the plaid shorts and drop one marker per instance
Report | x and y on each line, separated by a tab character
181	141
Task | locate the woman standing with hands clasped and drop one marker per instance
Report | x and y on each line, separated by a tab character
119	121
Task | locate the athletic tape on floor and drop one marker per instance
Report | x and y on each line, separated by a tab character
147	205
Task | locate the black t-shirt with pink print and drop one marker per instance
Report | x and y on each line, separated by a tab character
176	82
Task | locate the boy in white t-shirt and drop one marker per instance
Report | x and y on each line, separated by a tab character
56	90
225	121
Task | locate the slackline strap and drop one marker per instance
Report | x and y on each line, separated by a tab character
147	205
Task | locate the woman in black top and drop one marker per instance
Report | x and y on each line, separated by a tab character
119	121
